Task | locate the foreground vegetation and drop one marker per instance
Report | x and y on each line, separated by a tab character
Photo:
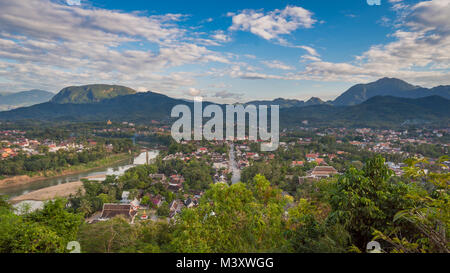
341	214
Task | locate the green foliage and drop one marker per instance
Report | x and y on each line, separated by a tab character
364	200
117	235
339	214
430	214
91	93
163	210
108	236
308	232
233	219
43	231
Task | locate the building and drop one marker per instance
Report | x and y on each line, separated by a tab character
175	207
297	163
320	161
157	176
112	210
319	172
311	157
125	195
323	171
220	165
176	179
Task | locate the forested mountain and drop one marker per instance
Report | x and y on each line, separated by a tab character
362	92
137	107
377	111
101	102
388	87
91	93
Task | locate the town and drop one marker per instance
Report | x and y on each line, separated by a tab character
181	172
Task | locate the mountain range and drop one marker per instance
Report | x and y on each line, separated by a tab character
378	111
388	87
25	98
361	92
362	105
288	103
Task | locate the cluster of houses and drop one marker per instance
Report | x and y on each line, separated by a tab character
219	161
19	144
7	152
391	141
14	142
317	158
173	183
136	211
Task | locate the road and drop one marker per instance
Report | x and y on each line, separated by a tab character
234	166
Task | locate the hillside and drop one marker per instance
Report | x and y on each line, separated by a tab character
136	107
90	93
287	103
388	87
25	98
143	107
377	111
362	92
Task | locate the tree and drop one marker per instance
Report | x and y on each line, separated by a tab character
145	200
106	237
85	207
365	200
43	231
55	215
163	210
237	218
430	214
308	231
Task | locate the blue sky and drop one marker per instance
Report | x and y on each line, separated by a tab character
225	51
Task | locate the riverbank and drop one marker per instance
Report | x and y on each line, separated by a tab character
49	193
21	180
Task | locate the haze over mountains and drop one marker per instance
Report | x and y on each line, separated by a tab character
384	102
10	101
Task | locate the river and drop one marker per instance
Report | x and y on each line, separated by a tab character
98	174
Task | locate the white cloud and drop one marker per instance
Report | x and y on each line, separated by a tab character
310	50
419	52
142	89
309	58
228	95
277	65
274	23
194	92
47	44
73	2
221	36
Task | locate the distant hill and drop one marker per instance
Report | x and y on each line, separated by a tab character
91	93
379	111
287	103
25	98
362	92
388	87
139	107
